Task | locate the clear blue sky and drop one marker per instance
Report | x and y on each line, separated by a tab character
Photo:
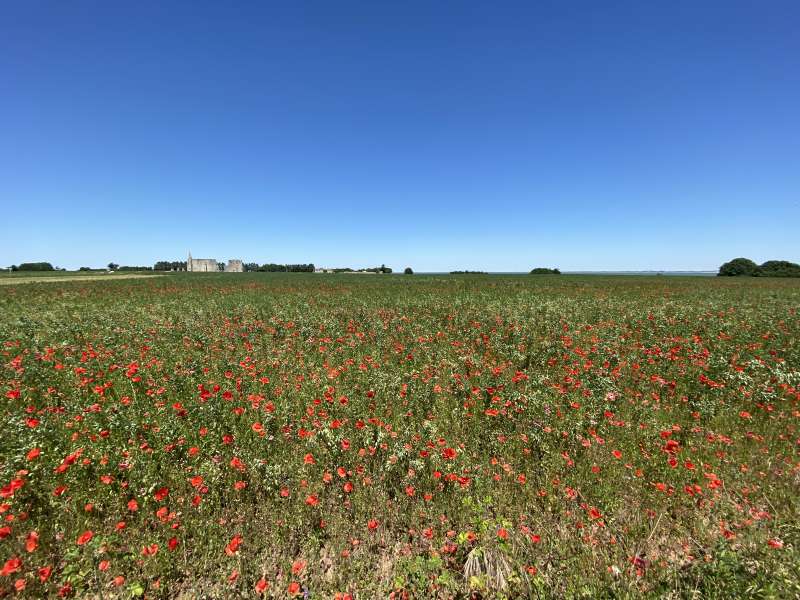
441	135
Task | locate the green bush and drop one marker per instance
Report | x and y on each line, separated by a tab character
778	268
737	267
37	266
545	271
771	268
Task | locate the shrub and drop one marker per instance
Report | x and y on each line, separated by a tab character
771	268
37	266
545	271
408	271
738	266
778	268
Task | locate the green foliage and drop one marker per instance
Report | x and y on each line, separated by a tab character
408	271
778	268
738	267
275	268
771	268
166	265
36	266
545	271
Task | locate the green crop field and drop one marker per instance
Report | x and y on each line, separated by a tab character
323	436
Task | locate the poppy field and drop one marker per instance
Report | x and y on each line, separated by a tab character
334	436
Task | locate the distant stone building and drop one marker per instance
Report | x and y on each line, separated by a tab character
201	265
234	266
209	265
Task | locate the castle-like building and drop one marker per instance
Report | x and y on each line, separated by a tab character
209	265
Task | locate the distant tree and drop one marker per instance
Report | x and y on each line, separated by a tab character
468	273
545	271
38	266
112	266
168	265
272	268
14	268
737	267
249	267
85	269
778	268
309	268
408	271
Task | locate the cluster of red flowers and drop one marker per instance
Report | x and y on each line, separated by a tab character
290	437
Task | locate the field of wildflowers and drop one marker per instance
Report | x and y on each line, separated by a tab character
316	436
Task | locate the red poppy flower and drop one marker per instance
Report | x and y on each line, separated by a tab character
32	541
233	545
13	565
85	537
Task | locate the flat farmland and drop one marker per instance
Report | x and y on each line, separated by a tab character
322	436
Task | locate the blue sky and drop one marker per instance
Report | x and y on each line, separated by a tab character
440	135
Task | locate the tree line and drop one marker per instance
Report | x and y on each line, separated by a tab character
276	268
35	266
170	265
745	267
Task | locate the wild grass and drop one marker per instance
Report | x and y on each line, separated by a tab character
412	437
